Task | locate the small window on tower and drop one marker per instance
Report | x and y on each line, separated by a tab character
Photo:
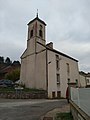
31	33
40	27
40	33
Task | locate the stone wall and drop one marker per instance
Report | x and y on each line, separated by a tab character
77	113
23	95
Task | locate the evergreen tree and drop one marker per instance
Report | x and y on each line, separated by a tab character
1	59
16	63
8	61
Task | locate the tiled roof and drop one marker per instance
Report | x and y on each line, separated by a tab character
62	54
51	49
38	20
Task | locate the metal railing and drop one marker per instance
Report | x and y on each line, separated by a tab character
81	97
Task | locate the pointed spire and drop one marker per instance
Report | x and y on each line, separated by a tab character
37	13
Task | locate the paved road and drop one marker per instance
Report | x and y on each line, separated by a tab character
27	109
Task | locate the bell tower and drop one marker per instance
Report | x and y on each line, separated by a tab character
33	60
36	33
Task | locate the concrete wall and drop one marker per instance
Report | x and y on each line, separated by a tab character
52	84
64	76
23	95
33	71
82	81
88	81
40	70
27	71
23	71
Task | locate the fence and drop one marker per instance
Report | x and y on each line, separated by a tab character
81	97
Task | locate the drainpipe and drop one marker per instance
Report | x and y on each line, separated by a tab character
46	70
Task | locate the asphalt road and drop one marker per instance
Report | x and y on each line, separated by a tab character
27	109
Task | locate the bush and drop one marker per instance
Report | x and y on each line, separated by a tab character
14	75
64	116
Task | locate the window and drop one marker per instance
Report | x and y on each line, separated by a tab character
58	78
68	80
40	27
68	68
40	33
87	80
57	62
31	33
57	57
76	82
53	94
58	94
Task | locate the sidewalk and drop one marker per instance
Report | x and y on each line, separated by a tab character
51	114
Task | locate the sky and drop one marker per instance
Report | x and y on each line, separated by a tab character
68	27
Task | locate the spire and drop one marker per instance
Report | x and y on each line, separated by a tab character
37	13
37	18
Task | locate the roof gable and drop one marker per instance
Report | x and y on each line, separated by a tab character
62	54
53	50
38	20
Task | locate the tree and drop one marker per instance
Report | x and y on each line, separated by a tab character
1	59
14	75
8	61
16	63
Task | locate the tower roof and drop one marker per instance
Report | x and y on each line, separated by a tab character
37	18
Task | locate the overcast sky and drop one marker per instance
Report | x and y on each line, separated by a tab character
68	27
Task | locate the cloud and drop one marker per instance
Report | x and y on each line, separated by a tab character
68	26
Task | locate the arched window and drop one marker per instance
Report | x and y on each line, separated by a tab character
31	33
40	33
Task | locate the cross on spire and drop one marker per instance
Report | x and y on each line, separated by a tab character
37	13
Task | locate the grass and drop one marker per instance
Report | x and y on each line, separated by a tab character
8	89
64	116
12	89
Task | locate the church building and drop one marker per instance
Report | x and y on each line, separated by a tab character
43	67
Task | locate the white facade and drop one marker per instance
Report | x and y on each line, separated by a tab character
88	80
66	73
42	67
84	79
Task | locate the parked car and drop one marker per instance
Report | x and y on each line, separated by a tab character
6	83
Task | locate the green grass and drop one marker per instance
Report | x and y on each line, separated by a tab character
63	116
12	89
7	89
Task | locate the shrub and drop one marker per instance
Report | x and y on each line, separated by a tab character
14	75
64	116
